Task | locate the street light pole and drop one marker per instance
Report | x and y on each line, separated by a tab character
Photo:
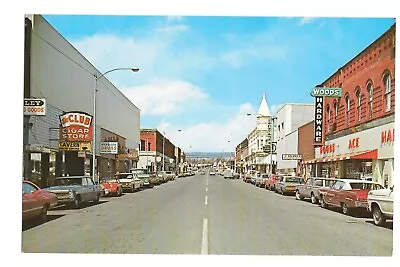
163	151
96	78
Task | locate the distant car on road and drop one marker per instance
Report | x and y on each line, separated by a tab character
380	203
271	181
260	181
129	181
75	190
310	189
111	186
212	172
228	174
36	201
288	184
348	194
143	175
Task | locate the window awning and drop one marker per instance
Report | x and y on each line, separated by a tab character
369	154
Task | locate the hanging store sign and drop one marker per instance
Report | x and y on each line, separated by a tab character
318	120
292	156
76	126
109	147
126	156
74	146
34	106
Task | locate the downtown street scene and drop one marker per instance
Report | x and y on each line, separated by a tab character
180	135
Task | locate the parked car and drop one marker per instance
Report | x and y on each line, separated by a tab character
348	194
129	181
288	184
380	203
271	181
236	175
36	201
111	186
212	172
170	175
75	190
202	172
247	177
228	174
143	175
260	181
310	189
254	177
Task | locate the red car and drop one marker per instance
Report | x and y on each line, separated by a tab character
36	202
347	194
270	182
111	186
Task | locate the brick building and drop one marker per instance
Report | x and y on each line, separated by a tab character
154	148
359	125
306	145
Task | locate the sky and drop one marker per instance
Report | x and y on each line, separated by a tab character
198	73
202	74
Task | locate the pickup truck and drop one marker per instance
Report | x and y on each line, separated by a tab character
380	203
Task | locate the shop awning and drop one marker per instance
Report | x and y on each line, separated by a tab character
370	154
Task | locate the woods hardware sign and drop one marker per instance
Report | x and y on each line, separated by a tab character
319	104
76	126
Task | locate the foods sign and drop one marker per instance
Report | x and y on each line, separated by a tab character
76	126
109	147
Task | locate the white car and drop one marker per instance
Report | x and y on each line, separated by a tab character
212	173
380	203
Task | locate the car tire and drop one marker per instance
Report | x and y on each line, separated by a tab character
345	209
43	214
378	217
77	202
323	203
97	199
282	193
298	197
314	200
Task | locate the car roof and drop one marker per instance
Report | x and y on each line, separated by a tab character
357	181
73	177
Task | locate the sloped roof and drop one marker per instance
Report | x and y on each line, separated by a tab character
263	110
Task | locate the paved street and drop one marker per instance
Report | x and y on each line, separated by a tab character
205	214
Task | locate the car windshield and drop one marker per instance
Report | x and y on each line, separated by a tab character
68	181
124	176
110	180
369	186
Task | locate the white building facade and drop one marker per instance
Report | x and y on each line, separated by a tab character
287	121
257	159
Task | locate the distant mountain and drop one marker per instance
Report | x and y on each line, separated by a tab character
209	155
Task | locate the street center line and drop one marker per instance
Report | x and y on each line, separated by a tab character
206	200
204	241
206	189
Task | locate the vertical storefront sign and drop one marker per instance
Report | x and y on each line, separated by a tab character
318	121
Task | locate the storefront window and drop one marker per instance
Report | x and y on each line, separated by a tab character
36	168
358	169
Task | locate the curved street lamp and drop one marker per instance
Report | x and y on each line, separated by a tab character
96	78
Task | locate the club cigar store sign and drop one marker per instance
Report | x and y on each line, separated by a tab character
74	146
109	147
319	107
33	106
76	126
